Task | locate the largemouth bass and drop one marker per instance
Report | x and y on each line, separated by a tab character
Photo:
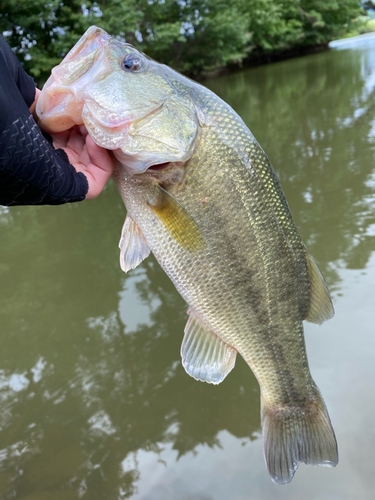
201	194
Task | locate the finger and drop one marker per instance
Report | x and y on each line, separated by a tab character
100	169
77	144
99	155
32	107
60	139
82	130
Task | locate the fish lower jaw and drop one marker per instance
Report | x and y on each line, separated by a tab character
58	109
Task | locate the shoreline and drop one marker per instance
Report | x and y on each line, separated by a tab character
351	39
263	59
260	60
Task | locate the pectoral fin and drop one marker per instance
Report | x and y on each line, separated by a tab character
179	224
133	246
204	356
320	308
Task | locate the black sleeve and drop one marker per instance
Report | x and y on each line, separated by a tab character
32	172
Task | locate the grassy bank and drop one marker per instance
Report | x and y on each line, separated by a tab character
363	26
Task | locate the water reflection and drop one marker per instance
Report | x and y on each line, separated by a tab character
94	402
96	387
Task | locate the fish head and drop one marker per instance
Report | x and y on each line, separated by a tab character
125	99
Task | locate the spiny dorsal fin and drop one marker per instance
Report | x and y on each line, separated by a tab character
179	224
320	307
133	246
204	356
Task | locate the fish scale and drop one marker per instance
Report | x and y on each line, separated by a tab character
237	317
254	235
201	194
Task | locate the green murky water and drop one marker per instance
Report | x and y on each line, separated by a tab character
94	402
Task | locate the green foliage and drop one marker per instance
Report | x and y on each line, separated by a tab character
43	31
362	26
189	35
274	25
286	24
325	20
194	35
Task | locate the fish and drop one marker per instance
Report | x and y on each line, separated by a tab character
203	197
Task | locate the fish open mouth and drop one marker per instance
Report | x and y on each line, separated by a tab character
168	173
159	166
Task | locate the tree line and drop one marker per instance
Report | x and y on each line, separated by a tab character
192	36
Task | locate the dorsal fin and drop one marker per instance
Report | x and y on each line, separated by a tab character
133	246
320	307
204	356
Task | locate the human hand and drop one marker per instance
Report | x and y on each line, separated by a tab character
86	157
32	107
84	154
32	172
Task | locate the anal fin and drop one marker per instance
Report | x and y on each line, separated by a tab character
320	307
205	356
133	245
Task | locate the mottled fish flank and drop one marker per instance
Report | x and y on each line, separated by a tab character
201	194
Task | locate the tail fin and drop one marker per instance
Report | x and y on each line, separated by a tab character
295	434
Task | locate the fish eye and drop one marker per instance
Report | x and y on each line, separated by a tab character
132	62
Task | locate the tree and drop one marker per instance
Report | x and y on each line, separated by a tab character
286	24
194	35
41	32
190	35
325	20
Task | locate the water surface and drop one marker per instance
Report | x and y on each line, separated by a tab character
94	402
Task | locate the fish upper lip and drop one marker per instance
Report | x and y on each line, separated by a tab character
126	118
